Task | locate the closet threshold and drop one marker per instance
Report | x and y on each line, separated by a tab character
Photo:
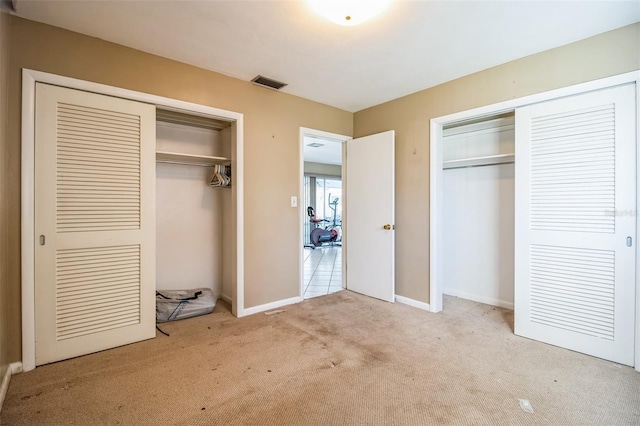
189	159
489	160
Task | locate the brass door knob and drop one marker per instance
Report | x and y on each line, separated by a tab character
387	227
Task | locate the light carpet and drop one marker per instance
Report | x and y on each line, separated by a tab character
341	359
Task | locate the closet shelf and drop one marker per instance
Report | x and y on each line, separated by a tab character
489	160
189	159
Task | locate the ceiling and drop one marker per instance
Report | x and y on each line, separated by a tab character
329	151
413	46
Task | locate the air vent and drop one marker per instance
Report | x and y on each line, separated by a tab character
268	83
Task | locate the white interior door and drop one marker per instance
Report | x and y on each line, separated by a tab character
370	198
94	222
575	226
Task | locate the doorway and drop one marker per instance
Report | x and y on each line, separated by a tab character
322	232
367	225
322	206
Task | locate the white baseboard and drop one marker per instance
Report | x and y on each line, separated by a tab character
13	368
226	298
272	305
4	386
16	367
480	299
412	302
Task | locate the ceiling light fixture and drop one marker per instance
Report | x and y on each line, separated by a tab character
349	12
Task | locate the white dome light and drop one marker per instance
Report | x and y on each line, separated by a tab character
349	12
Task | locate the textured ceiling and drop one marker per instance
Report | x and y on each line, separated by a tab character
413	46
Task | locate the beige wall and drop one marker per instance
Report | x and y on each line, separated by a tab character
607	54
5	303
272	122
320	169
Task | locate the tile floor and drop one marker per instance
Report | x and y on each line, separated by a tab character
322	271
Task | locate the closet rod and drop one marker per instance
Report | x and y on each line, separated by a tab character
185	163
476	165
489	160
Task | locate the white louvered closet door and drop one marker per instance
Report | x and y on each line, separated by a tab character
95	222
575	204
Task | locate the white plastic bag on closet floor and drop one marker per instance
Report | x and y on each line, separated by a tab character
173	305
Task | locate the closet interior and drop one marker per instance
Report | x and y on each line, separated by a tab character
478	207
195	240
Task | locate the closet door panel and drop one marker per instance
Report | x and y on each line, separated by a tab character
575	191
95	222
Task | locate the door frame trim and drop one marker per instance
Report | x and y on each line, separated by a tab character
29	80
305	131
436	177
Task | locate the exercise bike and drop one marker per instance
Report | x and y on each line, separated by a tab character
327	234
